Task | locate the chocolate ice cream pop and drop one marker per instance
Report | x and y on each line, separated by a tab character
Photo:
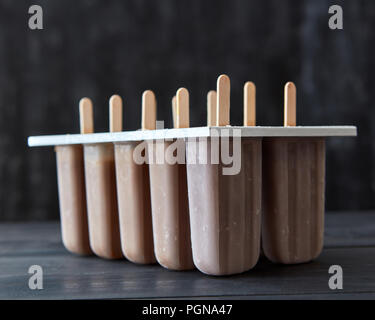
100	190
72	198
133	193
293	188
225	209
170	210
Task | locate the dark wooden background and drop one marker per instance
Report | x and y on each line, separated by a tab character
98	48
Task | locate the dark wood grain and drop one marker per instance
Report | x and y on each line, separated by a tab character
350	229
67	276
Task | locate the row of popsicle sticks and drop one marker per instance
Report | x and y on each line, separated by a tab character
218	108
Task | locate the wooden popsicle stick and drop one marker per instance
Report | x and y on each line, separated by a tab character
86	116
211	108
174	111
148	110
182	108
115	113
223	101
290	99
249	111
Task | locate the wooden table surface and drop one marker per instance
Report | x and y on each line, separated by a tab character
349	242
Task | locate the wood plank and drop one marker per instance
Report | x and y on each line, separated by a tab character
330	296
350	229
69	276
73	277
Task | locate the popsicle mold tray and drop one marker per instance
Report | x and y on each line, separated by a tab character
206	197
